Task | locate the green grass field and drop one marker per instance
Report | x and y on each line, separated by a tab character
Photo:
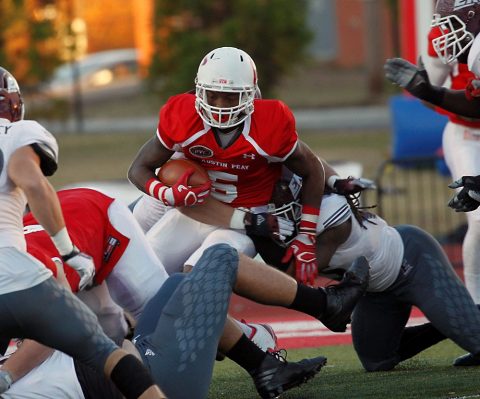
428	375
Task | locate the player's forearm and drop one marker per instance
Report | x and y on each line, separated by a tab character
211	212
455	101
151	156
28	356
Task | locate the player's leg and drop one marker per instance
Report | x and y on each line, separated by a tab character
240	241
138	274
174	249
332	305
377	326
461	146
147	211
54	317
271	376
448	306
179	330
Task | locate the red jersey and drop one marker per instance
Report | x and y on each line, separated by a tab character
86	217
244	173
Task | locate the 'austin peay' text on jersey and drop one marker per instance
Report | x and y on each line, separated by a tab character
243	173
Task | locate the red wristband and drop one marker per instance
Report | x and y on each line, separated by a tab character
309	220
156	189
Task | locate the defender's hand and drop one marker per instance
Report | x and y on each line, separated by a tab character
468	198
268	225
413	78
84	266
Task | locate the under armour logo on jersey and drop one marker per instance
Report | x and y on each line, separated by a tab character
251	156
149	352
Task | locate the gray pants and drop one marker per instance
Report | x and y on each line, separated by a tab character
427	281
51	315
178	332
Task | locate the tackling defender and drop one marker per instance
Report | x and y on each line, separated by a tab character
407	268
27	154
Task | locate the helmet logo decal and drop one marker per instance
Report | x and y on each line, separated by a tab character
459	4
200	151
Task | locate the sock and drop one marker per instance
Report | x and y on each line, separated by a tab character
308	300
246	354
418	338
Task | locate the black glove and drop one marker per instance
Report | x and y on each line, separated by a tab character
410	77
351	185
468	198
268	225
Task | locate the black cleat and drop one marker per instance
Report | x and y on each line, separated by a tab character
342	297
467	360
275	375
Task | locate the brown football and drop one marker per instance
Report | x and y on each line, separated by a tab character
173	169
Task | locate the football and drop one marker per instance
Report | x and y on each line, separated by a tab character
173	169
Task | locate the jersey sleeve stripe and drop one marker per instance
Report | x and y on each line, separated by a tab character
338	217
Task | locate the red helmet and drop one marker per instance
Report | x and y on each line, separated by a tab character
11	102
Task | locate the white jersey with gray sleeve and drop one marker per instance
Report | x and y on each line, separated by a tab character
14	135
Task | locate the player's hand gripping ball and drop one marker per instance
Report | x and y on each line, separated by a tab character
188	183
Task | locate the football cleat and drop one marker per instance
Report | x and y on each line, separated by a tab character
263	336
342	297
467	360
275	375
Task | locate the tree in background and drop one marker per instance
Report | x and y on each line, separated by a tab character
29	44
273	32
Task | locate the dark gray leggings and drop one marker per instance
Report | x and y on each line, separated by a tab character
179	329
426	280
51	315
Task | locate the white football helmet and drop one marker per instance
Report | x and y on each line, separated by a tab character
230	70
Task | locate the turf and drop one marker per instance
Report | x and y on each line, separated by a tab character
428	375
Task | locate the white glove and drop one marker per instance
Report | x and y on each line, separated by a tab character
5	381
84	266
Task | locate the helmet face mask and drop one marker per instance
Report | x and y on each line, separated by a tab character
459	23
285	202
226	70
11	101
454	39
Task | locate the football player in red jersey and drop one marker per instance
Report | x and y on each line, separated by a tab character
126	268
459	40
241	141
461	149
